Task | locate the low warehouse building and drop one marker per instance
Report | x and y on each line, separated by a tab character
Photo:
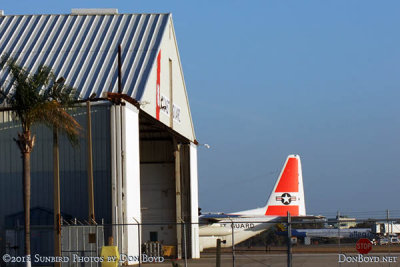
144	147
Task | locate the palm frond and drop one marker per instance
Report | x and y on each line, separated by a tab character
39	98
43	77
61	93
53	114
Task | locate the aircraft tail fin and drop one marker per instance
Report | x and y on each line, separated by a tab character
288	192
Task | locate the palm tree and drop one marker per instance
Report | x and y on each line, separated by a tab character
34	99
63	94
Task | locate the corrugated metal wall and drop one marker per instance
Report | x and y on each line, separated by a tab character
83	48
73	173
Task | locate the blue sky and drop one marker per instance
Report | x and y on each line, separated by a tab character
270	78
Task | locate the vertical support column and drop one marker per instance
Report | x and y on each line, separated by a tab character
91	216
114	201
118	117
177	155
194	202
123	227
116	175
131	179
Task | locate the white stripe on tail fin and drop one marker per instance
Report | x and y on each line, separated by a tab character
288	192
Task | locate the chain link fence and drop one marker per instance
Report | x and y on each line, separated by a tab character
341	241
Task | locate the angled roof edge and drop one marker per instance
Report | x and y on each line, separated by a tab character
183	77
138	97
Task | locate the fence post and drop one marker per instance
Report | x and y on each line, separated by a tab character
389	231
139	240
289	240
233	245
387	223
97	242
218	256
338	225
184	242
139	244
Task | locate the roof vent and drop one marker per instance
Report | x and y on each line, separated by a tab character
94	11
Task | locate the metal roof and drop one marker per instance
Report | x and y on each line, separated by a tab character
83	48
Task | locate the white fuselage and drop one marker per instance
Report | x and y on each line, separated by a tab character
243	228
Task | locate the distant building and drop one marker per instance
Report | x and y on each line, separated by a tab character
343	222
386	228
144	146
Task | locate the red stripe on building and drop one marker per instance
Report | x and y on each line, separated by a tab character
158	98
282	210
289	181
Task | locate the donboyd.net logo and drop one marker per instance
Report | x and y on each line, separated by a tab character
366	259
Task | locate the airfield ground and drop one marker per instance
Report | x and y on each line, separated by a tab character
321	255
278	260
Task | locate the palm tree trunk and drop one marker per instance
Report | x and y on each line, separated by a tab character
27	202
26	143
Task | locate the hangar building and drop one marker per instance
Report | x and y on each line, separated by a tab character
144	146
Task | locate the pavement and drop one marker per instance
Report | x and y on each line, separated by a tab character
280	260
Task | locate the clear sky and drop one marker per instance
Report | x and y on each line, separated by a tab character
269	78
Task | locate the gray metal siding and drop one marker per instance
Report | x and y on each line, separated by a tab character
83	48
73	173
10	171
